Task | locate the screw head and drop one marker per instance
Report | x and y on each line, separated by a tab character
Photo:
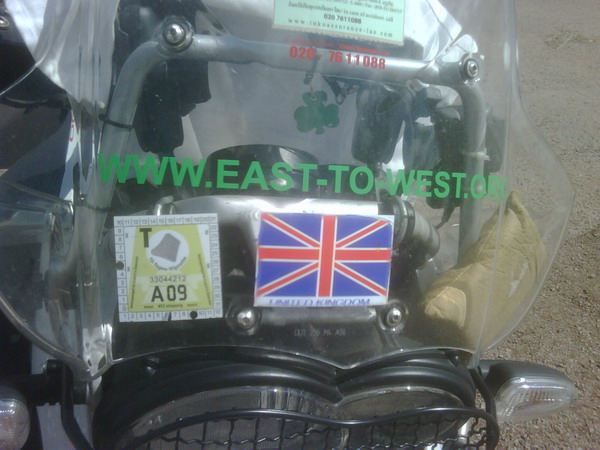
174	34
4	23
471	68
393	317
246	319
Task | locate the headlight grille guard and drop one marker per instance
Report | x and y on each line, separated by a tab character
454	428
247	399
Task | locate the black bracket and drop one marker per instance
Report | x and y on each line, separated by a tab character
67	415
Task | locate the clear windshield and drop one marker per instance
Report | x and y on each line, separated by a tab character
341	180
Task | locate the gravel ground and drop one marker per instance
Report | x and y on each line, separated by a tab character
560	63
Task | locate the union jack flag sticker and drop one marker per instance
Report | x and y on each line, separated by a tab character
314	260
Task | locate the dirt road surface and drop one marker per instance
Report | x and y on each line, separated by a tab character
559	46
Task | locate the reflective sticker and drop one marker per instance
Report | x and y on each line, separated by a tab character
380	20
313	260
168	267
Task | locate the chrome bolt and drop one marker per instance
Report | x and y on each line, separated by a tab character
246	319
4	23
393	317
174	34
471	68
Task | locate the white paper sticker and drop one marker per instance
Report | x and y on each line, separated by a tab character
168	267
380	20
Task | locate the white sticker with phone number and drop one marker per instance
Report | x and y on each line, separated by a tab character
380	20
168	267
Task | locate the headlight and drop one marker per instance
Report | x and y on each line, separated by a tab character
288	403
386	401
242	432
272	417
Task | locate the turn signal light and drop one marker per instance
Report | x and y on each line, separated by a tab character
14	423
527	398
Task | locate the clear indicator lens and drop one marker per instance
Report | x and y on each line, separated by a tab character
14	424
530	398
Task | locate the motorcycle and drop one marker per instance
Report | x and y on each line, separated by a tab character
270	224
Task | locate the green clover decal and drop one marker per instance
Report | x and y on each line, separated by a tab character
316	114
